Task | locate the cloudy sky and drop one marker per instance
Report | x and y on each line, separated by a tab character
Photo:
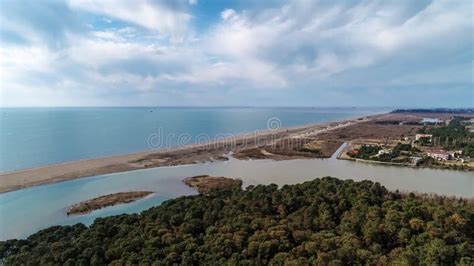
236	53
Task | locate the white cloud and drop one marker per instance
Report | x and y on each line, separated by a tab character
22	65
246	74
229	14
98	52
151	15
305	47
319	41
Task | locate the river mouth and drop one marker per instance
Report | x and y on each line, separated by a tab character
25	211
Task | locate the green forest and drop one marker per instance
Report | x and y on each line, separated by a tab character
326	221
453	136
369	152
365	151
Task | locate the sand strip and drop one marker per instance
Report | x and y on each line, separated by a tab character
189	154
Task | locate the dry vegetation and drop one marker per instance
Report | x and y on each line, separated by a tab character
105	201
206	184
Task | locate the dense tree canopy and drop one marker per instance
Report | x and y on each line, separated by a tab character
365	151
455	135
326	222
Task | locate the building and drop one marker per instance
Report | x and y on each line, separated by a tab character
423	136
384	151
439	155
455	154
415	160
431	121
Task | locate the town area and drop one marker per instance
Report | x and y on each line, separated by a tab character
441	141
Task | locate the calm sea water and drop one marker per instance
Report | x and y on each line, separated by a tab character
33	137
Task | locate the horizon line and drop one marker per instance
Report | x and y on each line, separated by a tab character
238	106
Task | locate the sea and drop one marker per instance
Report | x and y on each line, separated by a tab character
35	137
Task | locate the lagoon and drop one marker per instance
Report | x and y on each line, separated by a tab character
25	211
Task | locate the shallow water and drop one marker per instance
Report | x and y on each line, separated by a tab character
32	137
25	211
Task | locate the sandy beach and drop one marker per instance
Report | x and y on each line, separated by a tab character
306	141
190	154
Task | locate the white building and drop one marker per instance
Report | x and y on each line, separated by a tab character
383	151
439	155
419	136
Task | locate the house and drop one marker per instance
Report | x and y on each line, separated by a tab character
384	151
423	136
431	121
456	153
439	155
415	160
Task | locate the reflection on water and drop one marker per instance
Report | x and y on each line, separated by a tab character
25	211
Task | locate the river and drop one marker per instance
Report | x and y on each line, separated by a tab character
26	211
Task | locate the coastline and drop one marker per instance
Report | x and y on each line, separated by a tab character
310	141
439	167
189	154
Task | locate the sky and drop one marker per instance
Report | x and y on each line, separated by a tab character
236	53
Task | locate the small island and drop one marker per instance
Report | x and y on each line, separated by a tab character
206	184
88	206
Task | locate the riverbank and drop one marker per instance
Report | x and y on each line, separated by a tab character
343	156
453	153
